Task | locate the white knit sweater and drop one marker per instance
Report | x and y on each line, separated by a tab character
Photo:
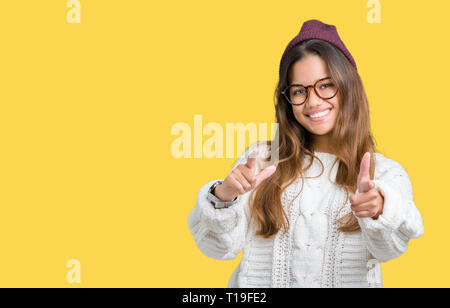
313	253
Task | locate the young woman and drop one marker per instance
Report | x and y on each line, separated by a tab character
332	208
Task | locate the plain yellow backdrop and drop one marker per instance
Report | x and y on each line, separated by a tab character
86	170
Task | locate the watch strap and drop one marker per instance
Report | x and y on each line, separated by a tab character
218	203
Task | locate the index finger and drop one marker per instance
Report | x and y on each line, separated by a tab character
251	161
364	171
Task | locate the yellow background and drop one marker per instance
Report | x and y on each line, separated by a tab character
87	109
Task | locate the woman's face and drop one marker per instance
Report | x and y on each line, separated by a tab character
306	72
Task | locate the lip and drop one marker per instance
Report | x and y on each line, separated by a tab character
320	118
316	111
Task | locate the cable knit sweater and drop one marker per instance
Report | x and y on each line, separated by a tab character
313	253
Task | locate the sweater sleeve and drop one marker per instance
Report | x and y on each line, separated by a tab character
220	233
388	236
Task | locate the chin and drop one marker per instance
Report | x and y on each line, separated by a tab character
320	132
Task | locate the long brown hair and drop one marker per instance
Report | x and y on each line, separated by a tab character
351	138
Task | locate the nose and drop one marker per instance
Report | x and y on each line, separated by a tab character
312	97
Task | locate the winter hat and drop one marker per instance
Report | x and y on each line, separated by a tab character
318	30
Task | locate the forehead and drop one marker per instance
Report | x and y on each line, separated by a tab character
308	70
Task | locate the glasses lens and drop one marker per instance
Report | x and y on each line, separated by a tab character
297	95
326	88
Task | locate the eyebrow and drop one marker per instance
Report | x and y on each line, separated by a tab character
314	81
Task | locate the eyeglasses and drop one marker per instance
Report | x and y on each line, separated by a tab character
297	94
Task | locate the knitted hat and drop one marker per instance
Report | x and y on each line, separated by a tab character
316	29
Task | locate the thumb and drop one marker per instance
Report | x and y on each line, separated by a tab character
265	173
364	182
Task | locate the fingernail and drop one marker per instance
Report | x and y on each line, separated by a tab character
254	153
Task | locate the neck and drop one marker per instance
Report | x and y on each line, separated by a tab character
321	143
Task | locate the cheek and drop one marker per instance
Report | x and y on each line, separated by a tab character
336	109
336	113
299	116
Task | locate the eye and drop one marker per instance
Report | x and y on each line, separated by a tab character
298	91
327	85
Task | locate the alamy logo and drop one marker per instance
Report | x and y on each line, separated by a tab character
374	15
213	147
74	273
74	14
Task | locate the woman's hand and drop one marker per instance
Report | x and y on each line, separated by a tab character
242	179
369	202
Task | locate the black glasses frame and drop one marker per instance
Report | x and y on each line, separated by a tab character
286	91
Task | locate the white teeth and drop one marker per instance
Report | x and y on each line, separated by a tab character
320	114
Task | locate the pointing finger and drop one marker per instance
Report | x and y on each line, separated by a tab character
251	161
364	174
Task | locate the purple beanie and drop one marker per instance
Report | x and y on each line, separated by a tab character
318	30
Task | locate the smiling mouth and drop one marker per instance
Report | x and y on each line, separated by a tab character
322	116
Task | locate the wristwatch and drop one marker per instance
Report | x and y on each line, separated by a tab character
218	203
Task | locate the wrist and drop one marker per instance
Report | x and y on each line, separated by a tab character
216	199
219	194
